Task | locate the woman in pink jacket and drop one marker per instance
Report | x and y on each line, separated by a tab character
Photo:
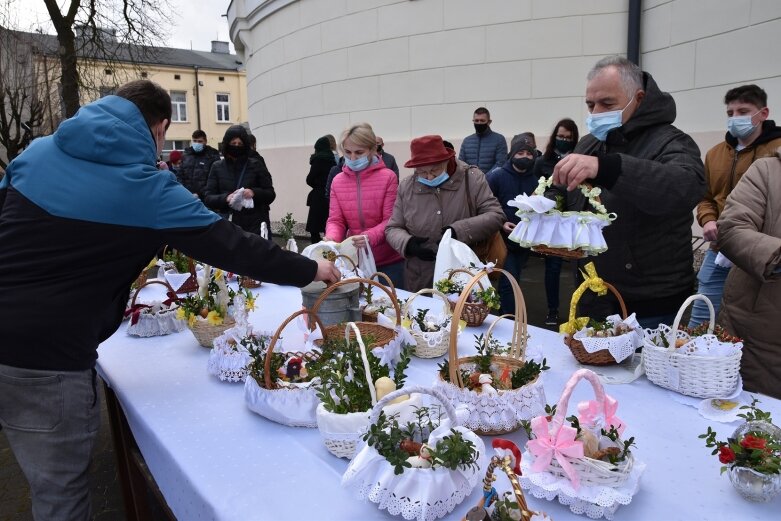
362	198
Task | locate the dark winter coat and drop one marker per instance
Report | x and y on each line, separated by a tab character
224	180
194	170
316	201
506	184
652	177
487	150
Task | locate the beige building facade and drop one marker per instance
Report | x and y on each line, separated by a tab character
415	67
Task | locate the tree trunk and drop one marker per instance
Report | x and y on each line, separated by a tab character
70	72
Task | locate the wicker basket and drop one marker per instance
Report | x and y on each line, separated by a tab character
603	356
505	411
692	375
431	345
150	324
205	333
286	404
559	252
191	284
380	334
248	282
474	313
371	316
141	279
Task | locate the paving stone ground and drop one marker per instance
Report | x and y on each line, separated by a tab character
106	496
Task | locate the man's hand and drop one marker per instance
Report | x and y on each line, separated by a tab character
327	271
359	241
415	249
710	231
508	227
574	169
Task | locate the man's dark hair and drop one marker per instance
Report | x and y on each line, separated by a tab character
253	141
483	110
151	99
199	134
747	94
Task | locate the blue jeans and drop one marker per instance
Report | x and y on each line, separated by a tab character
552	273
515	262
395	272
711	280
51	419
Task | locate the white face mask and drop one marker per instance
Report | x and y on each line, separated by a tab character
600	124
741	126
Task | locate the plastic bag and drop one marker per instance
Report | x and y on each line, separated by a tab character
453	254
366	259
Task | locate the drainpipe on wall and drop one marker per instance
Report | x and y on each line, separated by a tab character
633	32
197	97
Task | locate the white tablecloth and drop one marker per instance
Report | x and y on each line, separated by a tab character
214	459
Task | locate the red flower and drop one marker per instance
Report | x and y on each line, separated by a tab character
753	442
726	455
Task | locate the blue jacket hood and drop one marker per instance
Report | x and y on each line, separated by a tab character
109	131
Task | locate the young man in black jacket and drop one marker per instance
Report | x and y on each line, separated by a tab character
196	163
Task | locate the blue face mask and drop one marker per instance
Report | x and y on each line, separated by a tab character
433	183
356	165
741	126
600	124
197	147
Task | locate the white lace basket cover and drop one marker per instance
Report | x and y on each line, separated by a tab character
435	343
594	487
541	224
341	432
292	404
424	494
156	318
703	367
620	347
229	359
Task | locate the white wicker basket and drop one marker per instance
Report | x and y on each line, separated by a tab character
156	318
433	344
689	374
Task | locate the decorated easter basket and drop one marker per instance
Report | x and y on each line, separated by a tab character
670	359
370	315
155	319
430	344
474	313
341	432
558	459
286	402
189	285
569	234
506	409
593	350
205	333
423	491
248	282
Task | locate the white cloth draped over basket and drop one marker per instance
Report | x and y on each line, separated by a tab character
620	347
570	230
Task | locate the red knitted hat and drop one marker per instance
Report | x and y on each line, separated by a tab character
175	156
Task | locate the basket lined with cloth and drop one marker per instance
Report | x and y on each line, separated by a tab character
600	344
374	306
508	388
156	318
431	331
584	460
479	302
700	366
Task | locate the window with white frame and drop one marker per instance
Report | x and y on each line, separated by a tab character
178	106
223	108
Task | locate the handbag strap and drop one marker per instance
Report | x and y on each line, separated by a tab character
470	204
241	175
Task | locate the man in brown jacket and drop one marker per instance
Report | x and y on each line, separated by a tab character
750	136
750	235
434	199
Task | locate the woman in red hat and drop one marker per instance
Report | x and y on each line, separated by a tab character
361	202
443	193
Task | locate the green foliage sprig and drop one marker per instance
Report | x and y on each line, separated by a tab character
288	224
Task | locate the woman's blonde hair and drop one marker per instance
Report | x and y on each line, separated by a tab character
362	135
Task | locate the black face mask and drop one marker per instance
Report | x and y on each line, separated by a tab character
523	163
379	150
480	128
236	151
563	145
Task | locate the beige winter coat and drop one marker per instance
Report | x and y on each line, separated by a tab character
750	236
423	212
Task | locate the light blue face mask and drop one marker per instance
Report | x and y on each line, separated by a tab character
437	181
197	147
741	126
600	124
356	165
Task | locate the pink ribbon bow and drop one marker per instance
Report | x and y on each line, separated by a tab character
589	414
563	445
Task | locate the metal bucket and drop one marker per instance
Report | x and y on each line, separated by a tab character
339	306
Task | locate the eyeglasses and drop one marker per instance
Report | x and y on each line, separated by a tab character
565	138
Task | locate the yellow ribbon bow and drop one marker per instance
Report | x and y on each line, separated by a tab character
591	281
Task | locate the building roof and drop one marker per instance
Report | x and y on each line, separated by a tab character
169	56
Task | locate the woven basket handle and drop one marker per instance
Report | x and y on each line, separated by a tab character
147	283
350	261
274	339
582	289
386	279
451	412
518	342
424	291
490	332
562	406
358	280
679	316
462	270
364	358
517	490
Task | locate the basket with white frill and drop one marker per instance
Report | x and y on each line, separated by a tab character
155	318
430	330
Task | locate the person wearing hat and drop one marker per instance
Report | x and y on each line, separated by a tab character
174	161
320	164
443	193
515	177
239	170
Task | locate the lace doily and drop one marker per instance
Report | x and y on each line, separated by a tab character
156	321
620	347
702	345
570	230
594	501
495	412
422	494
